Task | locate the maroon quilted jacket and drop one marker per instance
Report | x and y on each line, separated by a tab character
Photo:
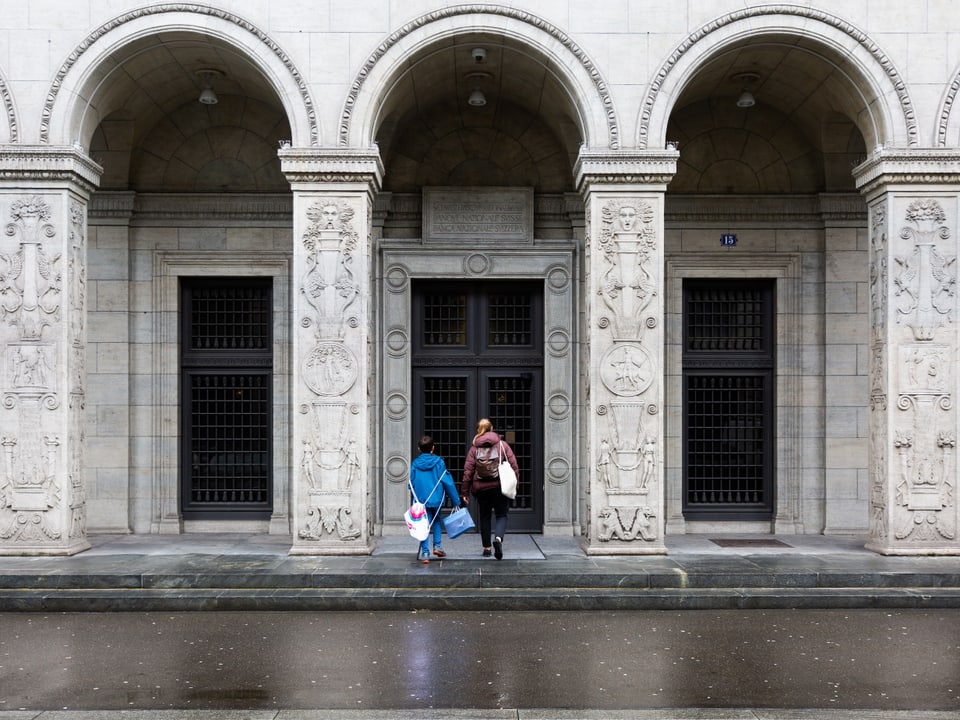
471	484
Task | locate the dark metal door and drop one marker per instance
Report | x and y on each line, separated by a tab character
728	372
226	378
478	354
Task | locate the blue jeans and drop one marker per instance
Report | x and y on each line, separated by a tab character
436	529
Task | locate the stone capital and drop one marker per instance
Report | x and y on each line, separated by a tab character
621	170
334	168
49	164
922	167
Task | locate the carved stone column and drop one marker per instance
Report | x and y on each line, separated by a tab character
914	205
624	296
333	429
44	192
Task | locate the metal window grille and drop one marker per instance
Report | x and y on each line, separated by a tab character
229	449
510	322
726	440
444	410
725	319
511	401
445	320
224	317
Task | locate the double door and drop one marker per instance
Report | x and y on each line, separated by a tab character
478	353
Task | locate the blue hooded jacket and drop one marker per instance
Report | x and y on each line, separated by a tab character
424	473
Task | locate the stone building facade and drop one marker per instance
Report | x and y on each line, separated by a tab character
697	261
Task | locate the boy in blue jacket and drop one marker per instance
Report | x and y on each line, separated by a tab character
431	481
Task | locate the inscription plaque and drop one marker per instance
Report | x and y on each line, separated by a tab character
478	214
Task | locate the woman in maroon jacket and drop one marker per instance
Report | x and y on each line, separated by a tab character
480	479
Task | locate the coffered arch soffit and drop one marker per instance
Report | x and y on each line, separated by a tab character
144	64
550	75
808	64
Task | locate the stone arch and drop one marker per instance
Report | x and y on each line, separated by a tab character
886	117
580	76
11	112
948	122
77	83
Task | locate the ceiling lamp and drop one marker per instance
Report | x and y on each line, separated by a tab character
746	98
207	95
476	98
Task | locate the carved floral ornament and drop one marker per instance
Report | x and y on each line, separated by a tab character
926	279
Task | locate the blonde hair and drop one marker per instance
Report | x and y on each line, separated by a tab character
483	426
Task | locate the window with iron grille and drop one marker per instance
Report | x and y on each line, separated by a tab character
226	369
728	371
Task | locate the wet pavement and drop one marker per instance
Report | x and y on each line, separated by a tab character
492	661
256	572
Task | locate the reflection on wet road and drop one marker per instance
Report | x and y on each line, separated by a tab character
880	659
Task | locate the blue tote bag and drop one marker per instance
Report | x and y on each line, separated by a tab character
458	522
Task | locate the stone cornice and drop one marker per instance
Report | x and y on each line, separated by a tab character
46	163
153	208
332	166
908	167
604	167
818	210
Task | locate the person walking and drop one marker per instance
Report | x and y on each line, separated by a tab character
481	479
431	482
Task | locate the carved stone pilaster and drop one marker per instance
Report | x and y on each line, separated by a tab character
43	341
914	422
332	273
624	319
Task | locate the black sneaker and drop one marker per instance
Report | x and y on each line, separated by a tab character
486	552
498	549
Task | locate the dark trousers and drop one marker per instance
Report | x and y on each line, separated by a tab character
492	501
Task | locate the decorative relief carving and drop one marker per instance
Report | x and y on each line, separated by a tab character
878	265
925	488
328	461
30	279
926	280
329	285
627	240
29	489
325	516
628	464
558	342
626	524
476	264
329	369
627	370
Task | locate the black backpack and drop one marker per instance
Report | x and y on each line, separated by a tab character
488	462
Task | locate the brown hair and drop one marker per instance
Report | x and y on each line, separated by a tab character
483	426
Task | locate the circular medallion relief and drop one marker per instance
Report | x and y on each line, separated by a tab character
329	369
627	370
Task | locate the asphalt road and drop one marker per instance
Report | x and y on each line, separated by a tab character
876	659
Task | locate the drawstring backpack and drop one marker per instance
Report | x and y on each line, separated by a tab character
416	515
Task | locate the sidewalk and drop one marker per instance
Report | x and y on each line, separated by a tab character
255	572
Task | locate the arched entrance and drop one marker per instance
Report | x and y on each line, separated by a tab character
185	107
771	116
478	131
